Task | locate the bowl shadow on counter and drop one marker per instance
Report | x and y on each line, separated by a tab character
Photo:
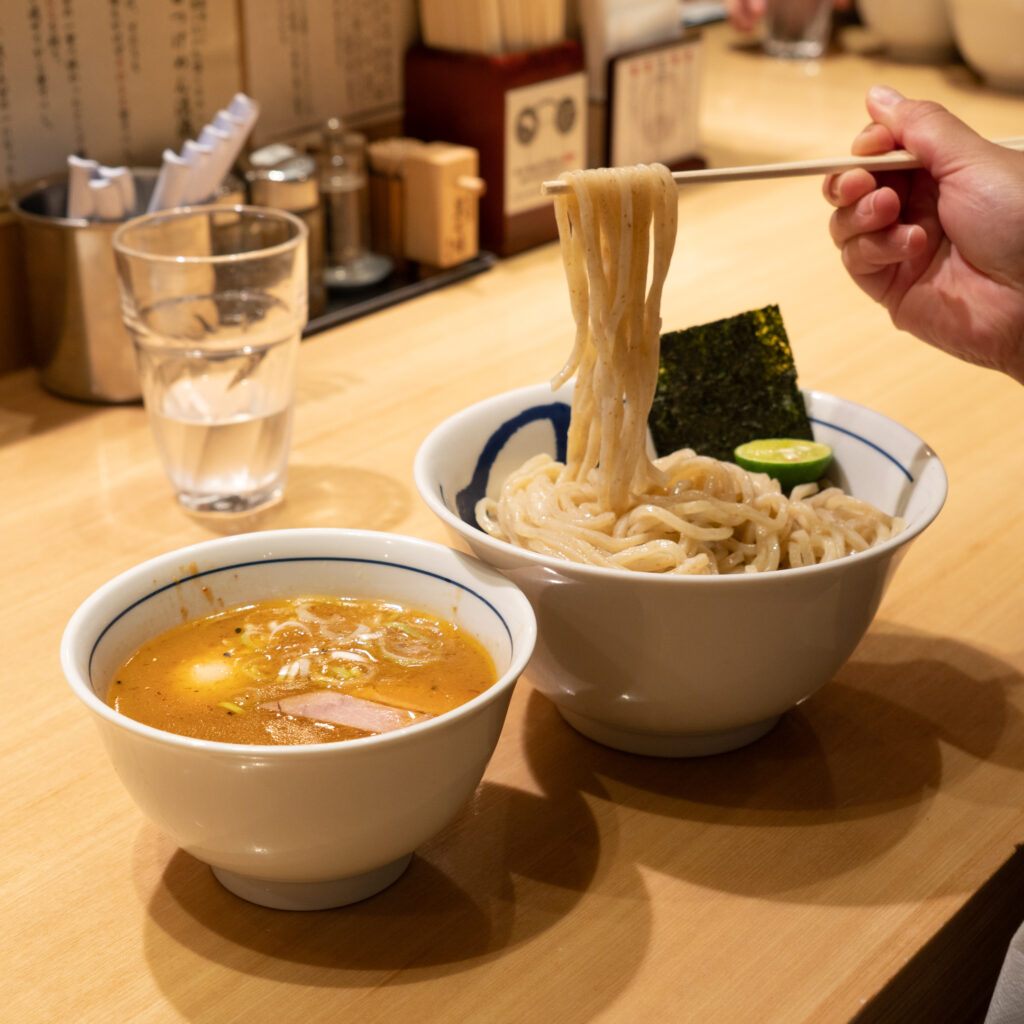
840	780
477	890
862	757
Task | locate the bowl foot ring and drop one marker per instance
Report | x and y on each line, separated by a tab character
669	745
335	892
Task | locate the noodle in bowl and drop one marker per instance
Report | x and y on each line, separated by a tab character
673	664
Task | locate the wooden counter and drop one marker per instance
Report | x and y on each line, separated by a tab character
857	860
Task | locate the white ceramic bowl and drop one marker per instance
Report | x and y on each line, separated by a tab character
682	665
990	34
915	31
301	827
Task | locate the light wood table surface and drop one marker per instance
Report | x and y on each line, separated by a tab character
857	860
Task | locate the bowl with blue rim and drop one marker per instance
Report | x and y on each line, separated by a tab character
677	665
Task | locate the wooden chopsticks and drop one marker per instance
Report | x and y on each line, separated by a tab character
492	26
899	160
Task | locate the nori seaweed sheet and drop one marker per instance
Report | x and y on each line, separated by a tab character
727	382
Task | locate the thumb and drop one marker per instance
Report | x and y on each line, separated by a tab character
939	139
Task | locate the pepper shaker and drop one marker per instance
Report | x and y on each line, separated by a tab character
344	196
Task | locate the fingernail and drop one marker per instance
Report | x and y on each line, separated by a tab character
885	96
912	231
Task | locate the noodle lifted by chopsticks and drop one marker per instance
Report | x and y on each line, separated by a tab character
609	504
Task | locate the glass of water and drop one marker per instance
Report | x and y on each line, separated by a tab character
797	29
215	299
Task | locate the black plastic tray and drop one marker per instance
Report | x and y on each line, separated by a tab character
344	305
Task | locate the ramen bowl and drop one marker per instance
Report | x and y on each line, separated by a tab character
989	33
676	665
914	31
306	826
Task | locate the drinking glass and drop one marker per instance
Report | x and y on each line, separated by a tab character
215	299
797	28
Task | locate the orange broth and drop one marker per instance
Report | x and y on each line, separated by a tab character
307	670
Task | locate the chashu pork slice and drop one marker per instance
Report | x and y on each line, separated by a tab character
344	709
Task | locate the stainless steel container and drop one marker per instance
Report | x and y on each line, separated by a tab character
79	342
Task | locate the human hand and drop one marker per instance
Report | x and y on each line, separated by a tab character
745	14
941	248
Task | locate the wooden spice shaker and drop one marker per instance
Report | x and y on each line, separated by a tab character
441	200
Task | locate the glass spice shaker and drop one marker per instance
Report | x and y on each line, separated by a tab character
285	179
344	197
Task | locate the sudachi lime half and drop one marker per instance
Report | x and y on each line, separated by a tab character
790	460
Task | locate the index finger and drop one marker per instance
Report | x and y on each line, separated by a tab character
847	187
872	140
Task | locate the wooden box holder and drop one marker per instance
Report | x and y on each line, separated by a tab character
485	102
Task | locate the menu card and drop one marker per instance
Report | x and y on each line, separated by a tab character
653	101
121	80
308	60
117	81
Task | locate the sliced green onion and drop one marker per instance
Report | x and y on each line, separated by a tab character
404	627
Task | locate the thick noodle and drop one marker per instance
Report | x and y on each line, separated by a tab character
610	504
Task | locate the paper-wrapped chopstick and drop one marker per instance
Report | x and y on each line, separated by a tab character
208	160
171	182
80	173
124	181
192	176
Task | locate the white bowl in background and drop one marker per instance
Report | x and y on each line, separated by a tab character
306	826
990	35
682	665
914	31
